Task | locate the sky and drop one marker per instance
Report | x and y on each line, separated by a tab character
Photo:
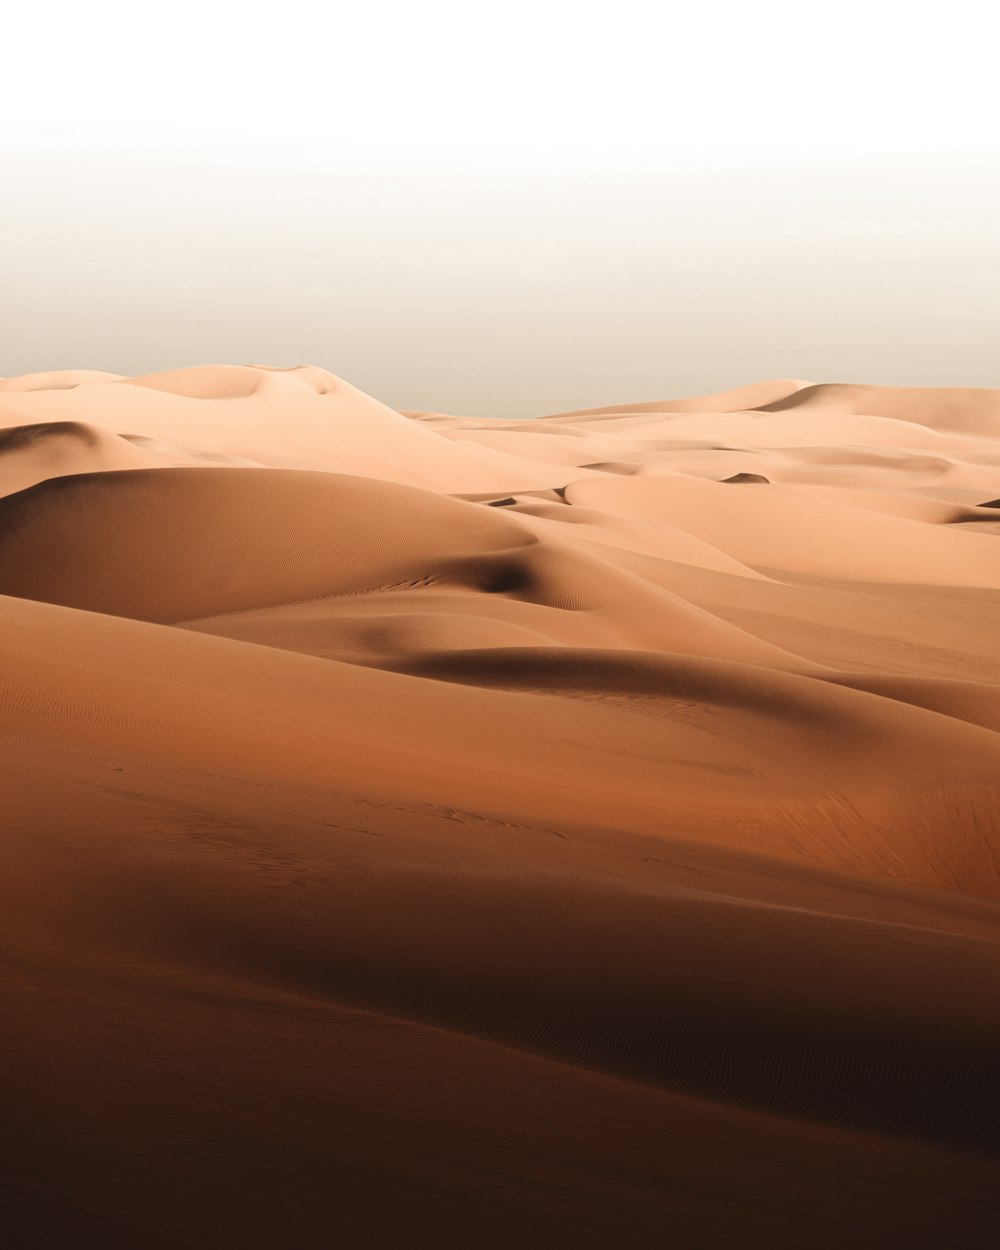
504	209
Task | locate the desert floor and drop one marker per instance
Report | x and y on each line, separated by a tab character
580	832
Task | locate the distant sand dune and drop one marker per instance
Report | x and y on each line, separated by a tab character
476	833
942	408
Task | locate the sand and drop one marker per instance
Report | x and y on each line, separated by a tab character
570	832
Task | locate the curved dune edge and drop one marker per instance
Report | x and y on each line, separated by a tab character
516	824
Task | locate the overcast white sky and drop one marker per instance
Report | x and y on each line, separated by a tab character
525	84
504	207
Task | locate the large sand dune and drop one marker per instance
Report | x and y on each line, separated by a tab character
574	832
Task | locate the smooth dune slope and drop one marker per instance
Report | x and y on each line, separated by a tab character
429	831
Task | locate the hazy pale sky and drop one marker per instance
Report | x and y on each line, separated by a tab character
504	208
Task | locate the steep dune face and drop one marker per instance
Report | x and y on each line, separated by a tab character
397	868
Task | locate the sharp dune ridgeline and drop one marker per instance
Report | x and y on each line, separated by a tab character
421	830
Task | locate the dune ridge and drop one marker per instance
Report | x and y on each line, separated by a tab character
479	831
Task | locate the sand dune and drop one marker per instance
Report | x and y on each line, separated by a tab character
30	454
303	419
97	541
942	408
423	830
756	395
766	528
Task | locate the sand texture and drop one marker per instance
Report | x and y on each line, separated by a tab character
422	830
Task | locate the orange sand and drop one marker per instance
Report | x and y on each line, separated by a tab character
571	832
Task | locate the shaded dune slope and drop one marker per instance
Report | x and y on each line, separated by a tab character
431	937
